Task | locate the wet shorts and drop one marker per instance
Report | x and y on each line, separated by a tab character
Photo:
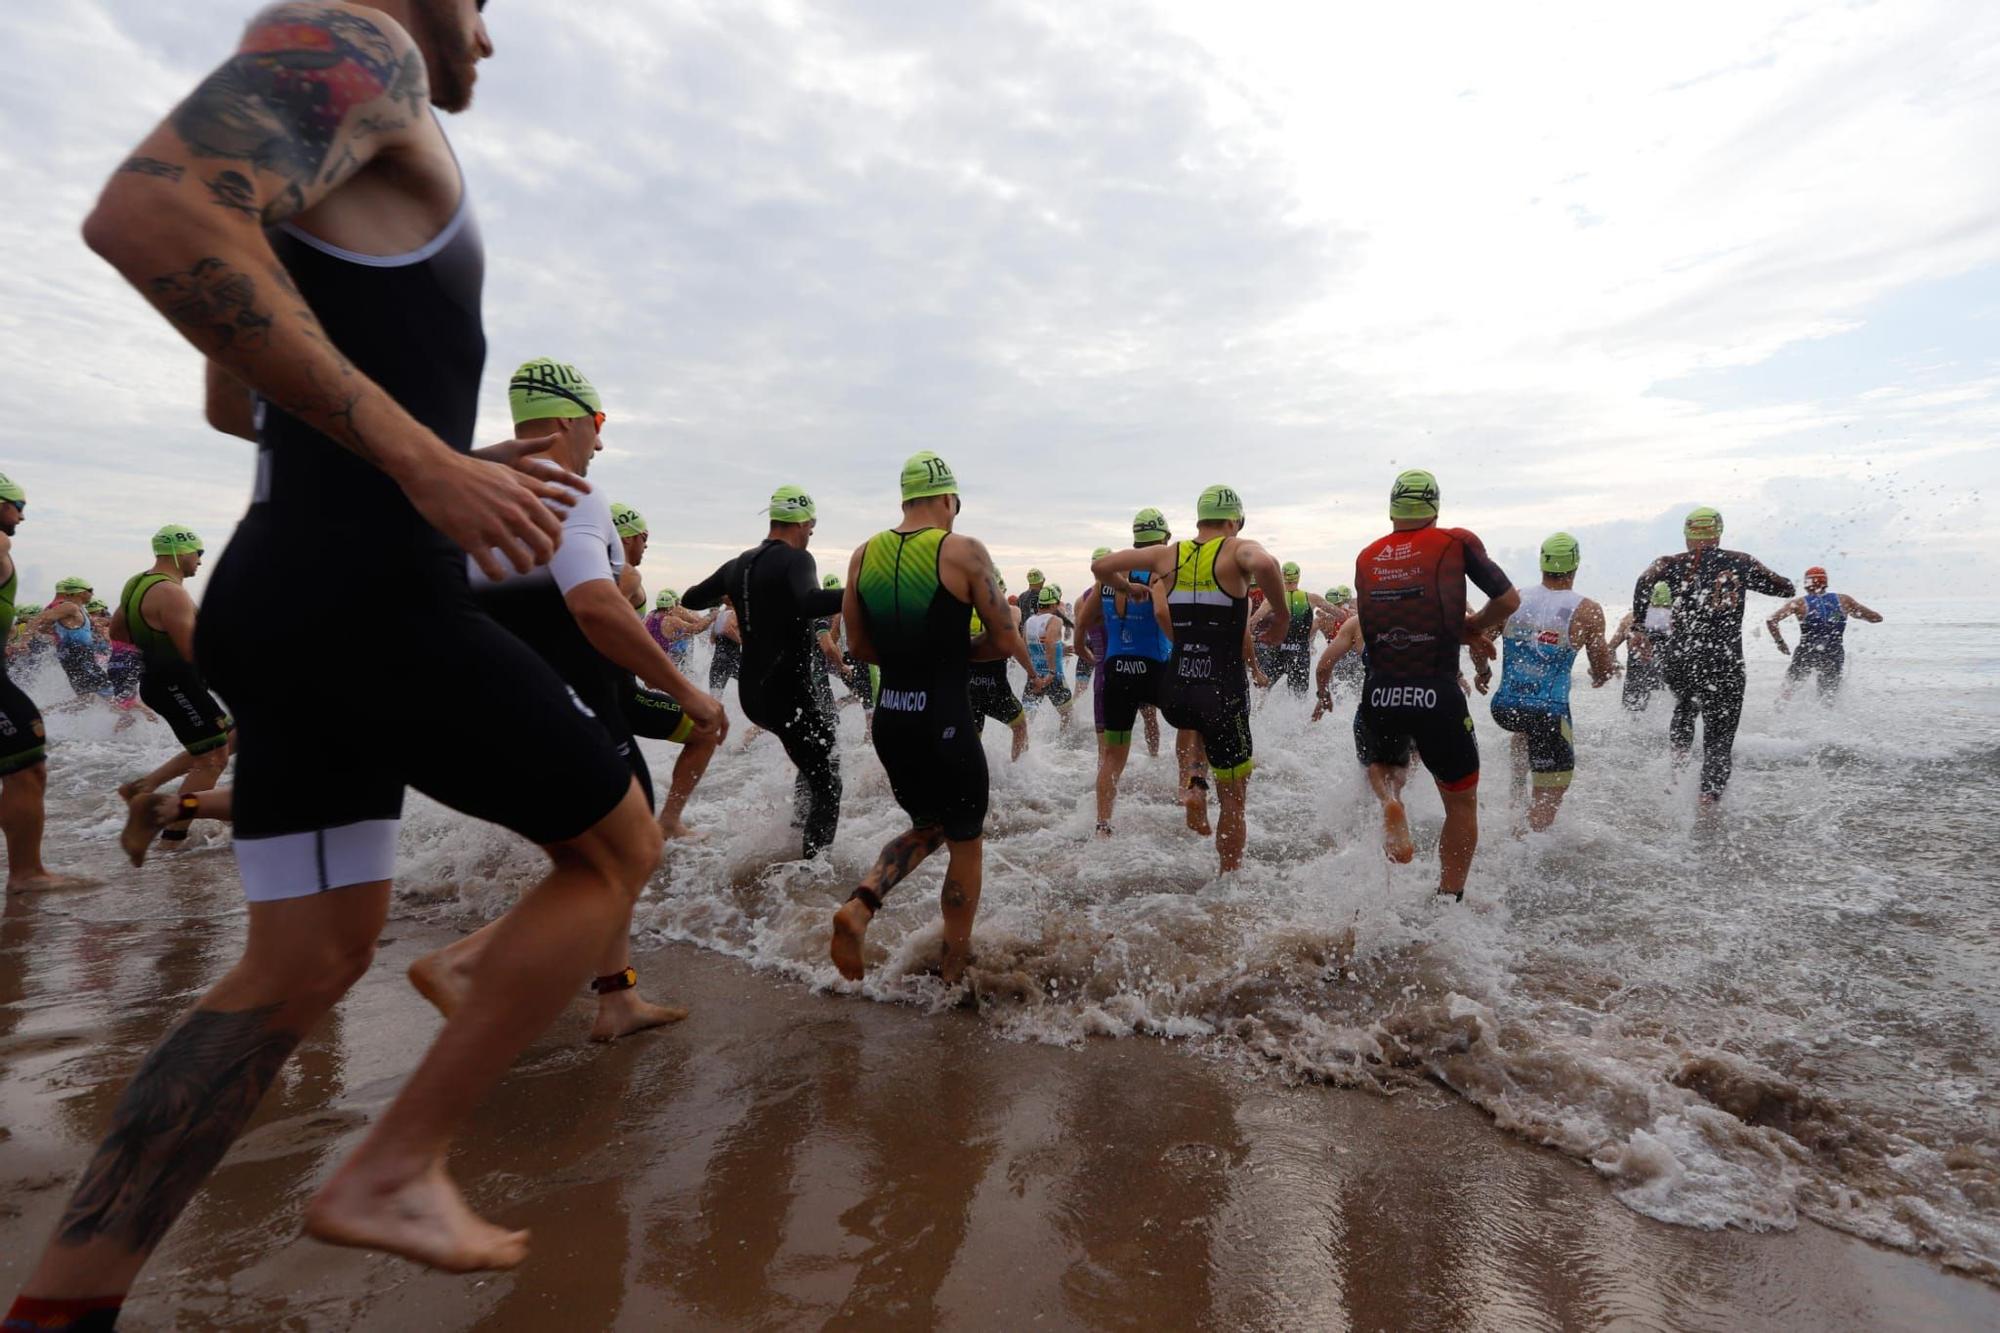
1057	692
441	699
1130	683
1218	710
1551	742
1431	714
177	693
22	744
930	749
991	696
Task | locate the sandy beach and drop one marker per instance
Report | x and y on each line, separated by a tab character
786	1159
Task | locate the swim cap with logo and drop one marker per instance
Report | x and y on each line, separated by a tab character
1703	524
1291	571
1050	594
1149	527
71	585
925	475
1561	554
1414	495
1662	595
830	581
174	539
629	521
1219	504
667	600
11	492
546	388
791	504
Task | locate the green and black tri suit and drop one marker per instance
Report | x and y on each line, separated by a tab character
1208	688
924	732
1294	654
169	684
22	744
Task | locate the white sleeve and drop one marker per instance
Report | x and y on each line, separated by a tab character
588	540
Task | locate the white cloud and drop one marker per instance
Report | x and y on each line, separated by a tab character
1102	255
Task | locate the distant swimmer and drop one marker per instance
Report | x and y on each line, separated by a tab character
775	591
1413	619
1090	646
1703	662
573	614
156	616
911	593
674	627
860	679
24	768
1541	639
1645	639
991	694
1291	660
1207	583
725	639
76	639
1136	646
1030	602
1044	632
1822	650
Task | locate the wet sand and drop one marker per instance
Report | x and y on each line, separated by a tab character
791	1160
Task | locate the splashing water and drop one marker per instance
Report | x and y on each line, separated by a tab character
1787	1011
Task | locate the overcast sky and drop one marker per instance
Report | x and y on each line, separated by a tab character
1591	266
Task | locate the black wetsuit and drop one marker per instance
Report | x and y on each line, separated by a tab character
329	737
22	742
1703	658
783	685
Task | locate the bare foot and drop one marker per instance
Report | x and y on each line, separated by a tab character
422	1218
621	1013
1396	844
439	980
127	790
41	881
144	818
1196	802
850	928
678	829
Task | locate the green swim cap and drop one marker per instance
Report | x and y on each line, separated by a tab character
1149	527
1341	596
174	539
925	475
629	521
1662	595
1703	524
830	581
791	504
26	612
1050	594
1561	554
11	492
667	600
1219	502
1415	495
95	607
546	388
1034	576
1291	571
1100	553
72	584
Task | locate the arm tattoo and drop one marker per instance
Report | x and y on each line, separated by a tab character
185	1106
233	190
153	166
216	304
280	102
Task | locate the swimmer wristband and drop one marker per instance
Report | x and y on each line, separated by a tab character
617	981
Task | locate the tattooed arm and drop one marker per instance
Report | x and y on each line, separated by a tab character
314	94
229	406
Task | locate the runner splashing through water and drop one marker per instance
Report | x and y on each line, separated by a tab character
1823	618
1136	647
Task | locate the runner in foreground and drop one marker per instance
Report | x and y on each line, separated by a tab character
1542	638
1703	663
1823	619
1412	612
1206	583
910	595
301	220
